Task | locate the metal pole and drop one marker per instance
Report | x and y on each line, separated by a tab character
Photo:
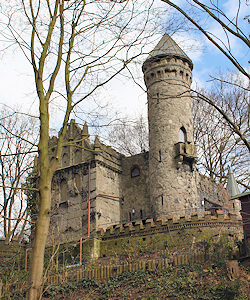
89	200
80	254
26	259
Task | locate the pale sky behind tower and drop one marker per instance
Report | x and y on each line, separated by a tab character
17	82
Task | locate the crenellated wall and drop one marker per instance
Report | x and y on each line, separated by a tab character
168	68
231	223
175	233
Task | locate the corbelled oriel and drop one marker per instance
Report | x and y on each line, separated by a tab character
168	76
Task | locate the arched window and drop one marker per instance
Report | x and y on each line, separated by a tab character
135	172
78	181
77	158
63	190
182	135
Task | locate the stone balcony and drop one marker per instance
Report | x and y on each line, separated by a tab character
185	152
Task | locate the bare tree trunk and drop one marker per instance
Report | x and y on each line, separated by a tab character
42	227
43	220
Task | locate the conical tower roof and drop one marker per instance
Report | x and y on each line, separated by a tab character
167	47
232	186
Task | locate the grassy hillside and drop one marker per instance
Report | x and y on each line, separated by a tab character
199	281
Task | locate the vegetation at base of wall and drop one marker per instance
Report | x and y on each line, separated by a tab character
12	267
177	280
221	249
197	281
65	254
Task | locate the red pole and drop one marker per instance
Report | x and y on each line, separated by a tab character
88	218
89	200
80	259
109	196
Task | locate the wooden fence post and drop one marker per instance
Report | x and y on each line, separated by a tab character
101	273
108	272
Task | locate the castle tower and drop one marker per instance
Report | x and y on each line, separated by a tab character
168	75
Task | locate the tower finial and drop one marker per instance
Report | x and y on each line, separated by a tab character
97	142
85	129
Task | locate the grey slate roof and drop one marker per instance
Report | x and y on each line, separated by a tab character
168	47
232	186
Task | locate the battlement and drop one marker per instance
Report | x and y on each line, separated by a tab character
167	68
79	150
144	227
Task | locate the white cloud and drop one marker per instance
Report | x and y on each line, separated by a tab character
17	82
189	43
232	8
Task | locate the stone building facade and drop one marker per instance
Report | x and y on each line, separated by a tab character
95	186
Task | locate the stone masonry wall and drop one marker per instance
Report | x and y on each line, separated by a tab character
108	196
69	211
135	190
71	186
209	190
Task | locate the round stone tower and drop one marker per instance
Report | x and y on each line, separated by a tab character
168	75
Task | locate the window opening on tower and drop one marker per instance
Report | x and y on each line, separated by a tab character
182	135
135	172
159	155
158	98
63	190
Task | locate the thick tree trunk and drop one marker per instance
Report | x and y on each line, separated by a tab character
41	232
43	220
